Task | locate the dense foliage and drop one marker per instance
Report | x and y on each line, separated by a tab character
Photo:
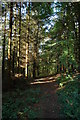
69	96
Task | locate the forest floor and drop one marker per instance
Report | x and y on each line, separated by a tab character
50	108
43	98
40	100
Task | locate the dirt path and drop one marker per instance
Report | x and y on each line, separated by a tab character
48	104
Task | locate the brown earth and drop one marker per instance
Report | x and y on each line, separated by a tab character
48	104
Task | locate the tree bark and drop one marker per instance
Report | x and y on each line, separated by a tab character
13	67
3	60
10	38
36	55
37	50
79	43
27	47
19	39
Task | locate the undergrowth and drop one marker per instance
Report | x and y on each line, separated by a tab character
19	104
69	96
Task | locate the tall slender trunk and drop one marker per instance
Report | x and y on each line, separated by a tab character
79	42
35	58
27	47
75	40
77	36
34	68
13	65
19	39
66	12
37	49
10	38
36	54
3	60
26	66
68	49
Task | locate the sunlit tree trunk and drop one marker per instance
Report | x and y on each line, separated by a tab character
27	47
26	65
4	39
18	41
14	40
10	38
18	54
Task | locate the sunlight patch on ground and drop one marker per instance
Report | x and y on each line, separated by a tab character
58	75
45	80
59	88
41	79
42	82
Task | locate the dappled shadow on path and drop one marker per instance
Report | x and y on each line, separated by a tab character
48	104
45	80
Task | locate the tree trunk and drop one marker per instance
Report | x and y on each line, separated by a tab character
77	36
9	41
34	68
75	40
35	59
79	43
13	68
3	60
27	47
36	55
26	65
19	39
37	50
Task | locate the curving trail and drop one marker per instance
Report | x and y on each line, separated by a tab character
50	108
